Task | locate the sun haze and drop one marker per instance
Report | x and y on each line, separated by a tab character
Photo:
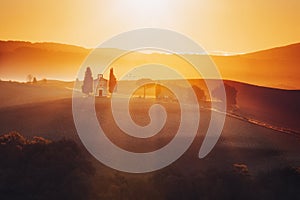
219	26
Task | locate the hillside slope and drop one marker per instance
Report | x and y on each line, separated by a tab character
14	93
278	67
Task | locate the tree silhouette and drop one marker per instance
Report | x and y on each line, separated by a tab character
34	80
231	94
112	81
158	91
44	80
29	78
144	82
199	93
87	87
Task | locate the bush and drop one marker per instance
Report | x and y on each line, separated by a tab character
231	94
41	169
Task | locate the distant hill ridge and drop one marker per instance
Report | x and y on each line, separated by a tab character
288	51
276	67
9	46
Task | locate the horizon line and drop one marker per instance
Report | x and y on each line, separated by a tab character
229	80
209	52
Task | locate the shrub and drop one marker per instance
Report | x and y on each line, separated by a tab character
42	169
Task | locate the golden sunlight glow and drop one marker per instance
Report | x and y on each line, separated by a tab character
230	26
221	28
145	7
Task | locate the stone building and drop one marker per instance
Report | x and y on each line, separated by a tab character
101	86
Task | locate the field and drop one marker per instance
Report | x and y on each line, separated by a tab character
249	161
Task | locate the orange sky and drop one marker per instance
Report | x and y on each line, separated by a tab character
218	26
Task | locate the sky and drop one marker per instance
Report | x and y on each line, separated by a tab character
219	26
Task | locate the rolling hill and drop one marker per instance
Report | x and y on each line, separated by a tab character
267	107
278	67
